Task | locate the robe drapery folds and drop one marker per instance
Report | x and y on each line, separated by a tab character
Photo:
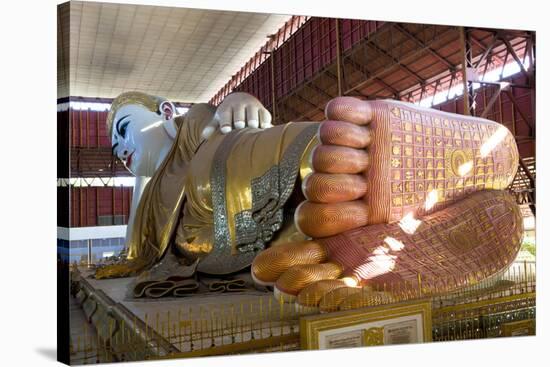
159	206
221	200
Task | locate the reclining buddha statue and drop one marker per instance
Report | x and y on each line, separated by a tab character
380	192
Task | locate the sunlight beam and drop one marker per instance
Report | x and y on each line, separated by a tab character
409	224
153	125
491	143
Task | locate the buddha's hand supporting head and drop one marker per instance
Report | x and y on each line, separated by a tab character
141	127
237	111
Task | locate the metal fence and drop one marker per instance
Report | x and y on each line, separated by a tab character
110	332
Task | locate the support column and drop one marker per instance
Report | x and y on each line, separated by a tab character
338	58
468	70
273	107
90	262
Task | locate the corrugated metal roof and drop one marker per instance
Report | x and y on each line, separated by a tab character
183	54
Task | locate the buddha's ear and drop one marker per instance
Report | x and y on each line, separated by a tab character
167	110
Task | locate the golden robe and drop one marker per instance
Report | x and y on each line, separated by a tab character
221	200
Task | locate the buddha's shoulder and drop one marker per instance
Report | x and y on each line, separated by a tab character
199	111
201	108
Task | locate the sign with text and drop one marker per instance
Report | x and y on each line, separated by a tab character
400	323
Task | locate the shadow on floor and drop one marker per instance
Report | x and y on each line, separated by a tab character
50	353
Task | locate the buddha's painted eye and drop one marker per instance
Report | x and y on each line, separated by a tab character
121	129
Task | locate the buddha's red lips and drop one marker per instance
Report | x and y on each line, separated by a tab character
129	160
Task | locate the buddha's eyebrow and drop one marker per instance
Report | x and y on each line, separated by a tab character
118	123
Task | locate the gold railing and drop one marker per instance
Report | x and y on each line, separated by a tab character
264	324
483	319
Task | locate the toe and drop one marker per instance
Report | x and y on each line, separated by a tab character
344	134
270	264
349	109
367	297
310	295
334	188
336	159
296	278
331	300
322	220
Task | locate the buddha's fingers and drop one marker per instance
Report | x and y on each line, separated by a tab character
349	109
239	117
336	159
322	220
292	281
344	134
271	263
334	188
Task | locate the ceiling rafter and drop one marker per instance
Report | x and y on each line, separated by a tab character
388	68
397	62
421	43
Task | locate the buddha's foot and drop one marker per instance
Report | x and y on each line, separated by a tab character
453	247
387	161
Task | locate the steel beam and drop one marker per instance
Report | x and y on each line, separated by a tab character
532	183
486	52
491	102
396	62
422	44
309	103
520	111
385	70
319	90
467	63
357	67
292	110
272	70
513	53
338	57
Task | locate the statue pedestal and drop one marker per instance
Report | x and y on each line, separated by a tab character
198	324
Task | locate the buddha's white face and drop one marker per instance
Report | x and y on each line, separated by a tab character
138	138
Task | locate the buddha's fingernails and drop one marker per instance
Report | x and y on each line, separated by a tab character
349	109
336	159
253	124
322	220
344	134
225	129
239	124
333	188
